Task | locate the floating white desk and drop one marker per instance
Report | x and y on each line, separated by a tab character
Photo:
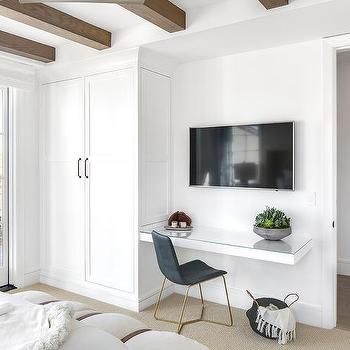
242	244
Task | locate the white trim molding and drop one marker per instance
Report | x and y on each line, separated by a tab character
331	46
344	267
15	74
309	314
88	67
152	297
91	290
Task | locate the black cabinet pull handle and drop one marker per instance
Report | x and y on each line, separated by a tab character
79	160
85	166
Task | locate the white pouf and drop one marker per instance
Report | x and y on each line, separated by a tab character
154	340
115	324
89	338
104	331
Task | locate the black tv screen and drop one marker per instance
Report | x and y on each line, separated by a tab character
249	156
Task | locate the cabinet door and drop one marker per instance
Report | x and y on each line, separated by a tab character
155	146
112	194
63	195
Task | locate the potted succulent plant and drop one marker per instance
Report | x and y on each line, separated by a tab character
272	224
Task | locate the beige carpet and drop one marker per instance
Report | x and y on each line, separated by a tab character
217	337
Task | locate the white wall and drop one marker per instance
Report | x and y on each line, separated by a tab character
24	234
26	186
343	194
16	75
279	84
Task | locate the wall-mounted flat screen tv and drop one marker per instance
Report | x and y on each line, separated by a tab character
248	156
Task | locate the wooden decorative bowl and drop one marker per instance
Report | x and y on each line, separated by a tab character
180	216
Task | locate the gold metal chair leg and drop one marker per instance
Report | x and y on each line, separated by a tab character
202	300
159	299
180	323
201	293
228	303
230	323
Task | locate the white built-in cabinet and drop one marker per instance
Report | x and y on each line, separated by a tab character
105	171
155	97
112	147
63	191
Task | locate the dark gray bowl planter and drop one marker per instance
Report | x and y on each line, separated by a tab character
272	234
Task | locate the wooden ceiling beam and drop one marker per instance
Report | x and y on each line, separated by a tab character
56	22
19	46
162	13
270	4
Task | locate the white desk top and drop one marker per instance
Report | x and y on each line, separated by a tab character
243	244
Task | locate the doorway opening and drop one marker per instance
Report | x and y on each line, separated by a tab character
343	190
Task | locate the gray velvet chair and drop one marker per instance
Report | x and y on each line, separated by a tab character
189	274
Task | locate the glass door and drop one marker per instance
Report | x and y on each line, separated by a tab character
4	248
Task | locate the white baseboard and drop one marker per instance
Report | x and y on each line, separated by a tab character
305	313
31	278
344	267
152	297
90	290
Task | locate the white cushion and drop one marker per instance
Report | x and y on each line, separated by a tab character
83	312
154	340
88	338
116	324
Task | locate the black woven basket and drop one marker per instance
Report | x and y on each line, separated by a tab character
252	313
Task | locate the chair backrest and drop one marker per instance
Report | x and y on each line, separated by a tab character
167	259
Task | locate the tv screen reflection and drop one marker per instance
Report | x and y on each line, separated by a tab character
251	156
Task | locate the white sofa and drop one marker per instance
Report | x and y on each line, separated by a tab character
97	331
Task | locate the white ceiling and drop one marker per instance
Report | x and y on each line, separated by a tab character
8	25
213	26
108	16
190	4
325	19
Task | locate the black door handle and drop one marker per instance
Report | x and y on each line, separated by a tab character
79	160
85	167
